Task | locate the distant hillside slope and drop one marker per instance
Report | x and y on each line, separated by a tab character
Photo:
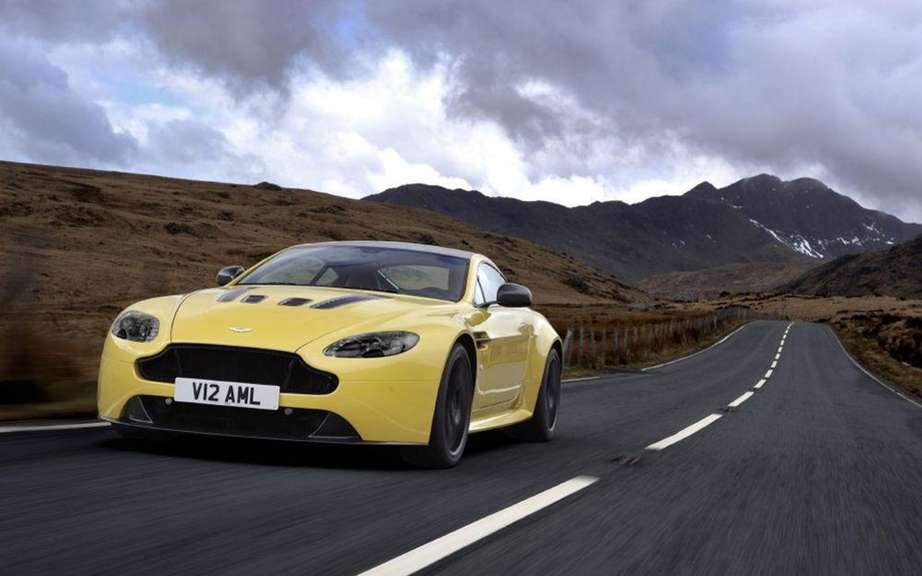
737	228
77	245
665	234
896	271
809	217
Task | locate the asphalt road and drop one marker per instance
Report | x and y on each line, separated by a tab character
819	471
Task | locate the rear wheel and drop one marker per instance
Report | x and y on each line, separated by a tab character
543	423
452	416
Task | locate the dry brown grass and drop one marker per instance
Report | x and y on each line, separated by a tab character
77	246
613	337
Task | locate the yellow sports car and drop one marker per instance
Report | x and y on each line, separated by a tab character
364	342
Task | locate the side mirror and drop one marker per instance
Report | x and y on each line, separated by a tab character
512	295
228	273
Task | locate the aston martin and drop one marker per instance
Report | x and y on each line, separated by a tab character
340	342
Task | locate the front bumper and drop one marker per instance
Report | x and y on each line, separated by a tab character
377	411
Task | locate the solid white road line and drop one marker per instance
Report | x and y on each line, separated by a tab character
684	433
760	383
43	427
871	376
768	374
440	548
741	399
715	344
774	364
586	379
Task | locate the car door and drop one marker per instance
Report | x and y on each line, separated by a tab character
503	340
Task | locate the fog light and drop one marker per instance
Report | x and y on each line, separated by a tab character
288	411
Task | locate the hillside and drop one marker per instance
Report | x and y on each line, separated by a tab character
738	228
809	217
76	246
896	271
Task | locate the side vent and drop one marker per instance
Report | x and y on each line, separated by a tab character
294	301
232	294
253	299
344	300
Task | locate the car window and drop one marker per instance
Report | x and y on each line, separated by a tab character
489	280
416	278
379	268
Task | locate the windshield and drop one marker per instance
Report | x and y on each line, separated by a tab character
381	269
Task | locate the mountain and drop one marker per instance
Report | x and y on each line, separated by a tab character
896	271
740	227
810	218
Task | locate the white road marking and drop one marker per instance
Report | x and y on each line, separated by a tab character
43	427
741	399
768	374
684	433
760	383
440	548
871	376
778	356
774	364
586	379
718	343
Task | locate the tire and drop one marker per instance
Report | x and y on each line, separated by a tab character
542	426
452	416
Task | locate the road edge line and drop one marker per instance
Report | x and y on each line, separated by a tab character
51	427
868	373
692	355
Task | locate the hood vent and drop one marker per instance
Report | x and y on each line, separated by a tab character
294	301
344	300
232	294
253	299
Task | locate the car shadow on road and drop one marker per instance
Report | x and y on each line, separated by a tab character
294	454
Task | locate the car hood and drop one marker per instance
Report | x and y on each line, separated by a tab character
237	317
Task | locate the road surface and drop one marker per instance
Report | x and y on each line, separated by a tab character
817	471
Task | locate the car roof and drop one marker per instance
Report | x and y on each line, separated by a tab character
427	248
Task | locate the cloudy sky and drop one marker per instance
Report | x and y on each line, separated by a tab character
558	100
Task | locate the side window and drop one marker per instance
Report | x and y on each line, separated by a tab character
489	280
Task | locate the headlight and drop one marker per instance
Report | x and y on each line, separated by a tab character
136	326
372	345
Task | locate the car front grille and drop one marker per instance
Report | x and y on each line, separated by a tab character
236	364
291	424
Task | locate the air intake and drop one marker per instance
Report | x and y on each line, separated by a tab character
294	301
253	299
344	300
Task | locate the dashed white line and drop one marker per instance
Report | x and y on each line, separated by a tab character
760	383
684	433
778	356
768	374
43	427
774	364
746	395
440	548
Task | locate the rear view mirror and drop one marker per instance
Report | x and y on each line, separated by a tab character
228	273
512	295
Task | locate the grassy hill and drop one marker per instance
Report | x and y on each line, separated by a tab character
76	246
896	271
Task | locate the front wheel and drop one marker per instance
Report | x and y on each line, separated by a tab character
452	416
542	426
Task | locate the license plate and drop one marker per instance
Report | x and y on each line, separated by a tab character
219	393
